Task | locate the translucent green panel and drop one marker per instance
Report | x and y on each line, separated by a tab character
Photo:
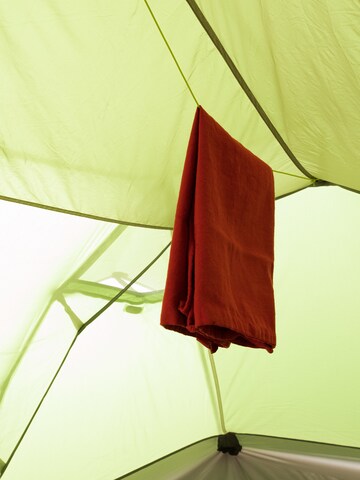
128	255
218	91
301	60
309	387
31	373
61	250
96	116
110	268
129	393
89	87
38	251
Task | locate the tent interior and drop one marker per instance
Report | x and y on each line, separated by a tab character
97	103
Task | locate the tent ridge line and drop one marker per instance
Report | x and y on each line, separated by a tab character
245	87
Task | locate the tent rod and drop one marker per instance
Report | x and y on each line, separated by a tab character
218	391
308	176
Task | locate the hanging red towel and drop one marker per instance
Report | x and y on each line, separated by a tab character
219	286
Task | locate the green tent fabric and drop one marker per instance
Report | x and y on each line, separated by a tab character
97	102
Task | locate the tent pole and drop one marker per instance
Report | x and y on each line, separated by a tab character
218	392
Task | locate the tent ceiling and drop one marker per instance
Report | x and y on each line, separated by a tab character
72	122
95	122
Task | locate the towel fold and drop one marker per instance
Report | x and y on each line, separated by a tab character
219	286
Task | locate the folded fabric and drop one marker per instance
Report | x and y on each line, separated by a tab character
219	286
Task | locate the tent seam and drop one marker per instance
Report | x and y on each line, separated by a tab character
81	329
241	81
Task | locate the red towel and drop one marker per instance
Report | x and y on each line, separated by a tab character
219	286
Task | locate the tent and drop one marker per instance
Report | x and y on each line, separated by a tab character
97	101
